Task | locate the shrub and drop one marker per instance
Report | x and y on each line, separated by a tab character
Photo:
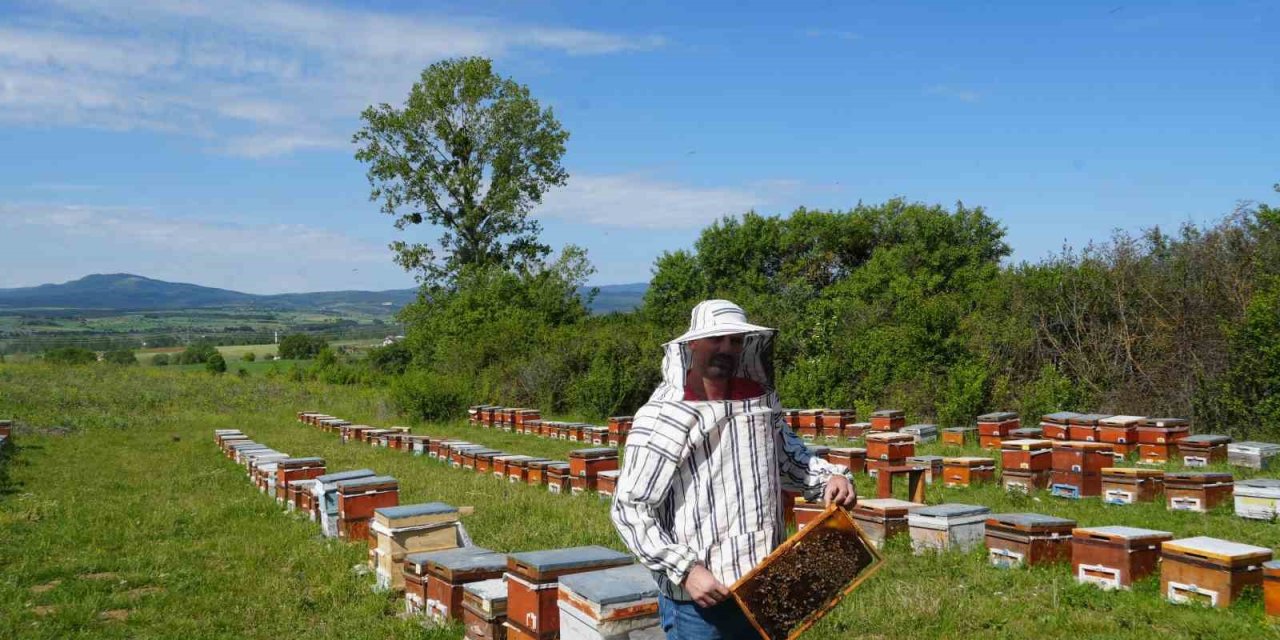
197	353
249	357
300	346
216	364
70	356
242	372
160	359
430	396
121	357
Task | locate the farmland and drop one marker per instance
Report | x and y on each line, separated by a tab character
120	519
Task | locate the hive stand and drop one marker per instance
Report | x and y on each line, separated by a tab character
915	481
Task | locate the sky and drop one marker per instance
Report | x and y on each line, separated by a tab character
210	142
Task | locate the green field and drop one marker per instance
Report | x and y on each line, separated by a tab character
119	518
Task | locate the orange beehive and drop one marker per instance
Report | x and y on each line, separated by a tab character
1197	491
888	420
1127	485
1163	430
1056	426
890	446
290	469
853	458
533	585
1157	453
559	480
607	483
1203	450
1121	432
1028	539
588	463
997	424
836	424
1084	427
960	436
810	424
1081	457
966	470
1026	455
1027	482
1271	587
1209	571
1115	557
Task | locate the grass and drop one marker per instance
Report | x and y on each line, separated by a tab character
120	519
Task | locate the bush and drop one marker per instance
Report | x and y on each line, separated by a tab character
70	356
300	346
121	357
160	359
249	357
392	359
242	372
216	364
197	353
430	396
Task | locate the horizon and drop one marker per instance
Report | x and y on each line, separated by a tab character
208	143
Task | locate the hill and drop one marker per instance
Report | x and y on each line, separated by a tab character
128	292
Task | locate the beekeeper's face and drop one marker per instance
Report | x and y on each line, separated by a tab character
717	357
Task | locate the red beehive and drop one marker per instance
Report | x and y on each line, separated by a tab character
1203	450
997	424
1127	485
965	471
1028	539
810	427
619	426
607	483
1115	557
806	512
1056	426
518	470
1271	587
1084	427
883	518
434	580
888	420
291	469
537	476
853	458
588	463
533	585
836	424
1163	430
1209	571
1075	484
1197	491
499	465
1026	455
890	446
856	430
1025	481
559	479
1157	454
1082	457
1121	432
358	499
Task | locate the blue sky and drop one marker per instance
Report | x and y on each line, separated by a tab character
208	142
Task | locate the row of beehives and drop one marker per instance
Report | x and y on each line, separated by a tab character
1199	569
591	470
530	422
423	550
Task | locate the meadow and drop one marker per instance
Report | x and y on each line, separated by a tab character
119	518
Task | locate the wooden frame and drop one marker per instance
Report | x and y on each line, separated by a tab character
834	516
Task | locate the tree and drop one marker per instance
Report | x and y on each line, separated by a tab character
70	355
249	357
120	356
470	152
160	360
300	346
197	352
216	364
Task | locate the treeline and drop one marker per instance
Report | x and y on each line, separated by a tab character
897	305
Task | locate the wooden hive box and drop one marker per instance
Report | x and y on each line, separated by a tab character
810	424
473	413
373	437
853	458
1028	482
1115	557
1271	588
836	424
888	420
1203	449
1028	539
1121	432
932	467
500	464
618	426
997	424
533	584
947	526
791	417
805	512
1196	491
484	609
471	458
968	470
1163	430
324	493
1208	570
218	434
491	416
537	474
883	518
573	431
596	435
807	576
300	497
357	500
1258	499
1254	455
518	469
1127	485
922	433
458	452
352	433
1026	455
484	461
607	483
889	445
960	436
509	418
438	579
559	478
1081	457
264	472
549	429
1084	427
1056	426
1157	454
856	430
621	602
588	463
406	529
1027	433
416	444
1074	484
524	416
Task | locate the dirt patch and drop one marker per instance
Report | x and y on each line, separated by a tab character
105	575
46	587
114	615
140	592
44	610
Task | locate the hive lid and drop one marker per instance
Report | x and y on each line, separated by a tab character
810	412
997	416
847	451
446	557
598	452
492	591
487	454
571	558
515	457
888	436
301	462
1249	446
1088	418
1120	531
1083	444
1059	416
341	476
960	429
1030	520
1215	548
1026	444
1121	421
1205	439
888	413
365	482
952	510
613	473
1027	432
969	460
920	428
482	451
1197	476
416	510
924	459
1259	483
1165	422
888	505
474	559
1133	472
558	466
612	586
1271	567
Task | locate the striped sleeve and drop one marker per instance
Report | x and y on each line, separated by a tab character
642	488
799	469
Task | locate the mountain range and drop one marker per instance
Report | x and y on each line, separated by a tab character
128	292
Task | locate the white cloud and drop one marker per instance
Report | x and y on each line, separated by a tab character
636	201
296	73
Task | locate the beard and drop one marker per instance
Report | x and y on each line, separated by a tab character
721	365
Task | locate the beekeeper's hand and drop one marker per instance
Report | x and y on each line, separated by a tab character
840	491
705	589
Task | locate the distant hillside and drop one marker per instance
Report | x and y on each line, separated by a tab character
127	292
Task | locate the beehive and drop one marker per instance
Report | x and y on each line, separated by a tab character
1203	449
967	470
960	436
1192	491
809	424
932	467
1115	557
947	526
888	420
621	602
607	483
1208	570
1163	430
1026	455
1121	432
923	433
1027	482
1027	433
1254	455
1027	539
407	529
484	609
559	479
1084	427
883	518
837	424
357	500
533	581
1127	485
435	580
325	495
1056	426
1271	588
852	458
890	446
1258	499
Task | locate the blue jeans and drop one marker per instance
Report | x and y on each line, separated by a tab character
687	621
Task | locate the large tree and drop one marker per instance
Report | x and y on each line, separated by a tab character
470	152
